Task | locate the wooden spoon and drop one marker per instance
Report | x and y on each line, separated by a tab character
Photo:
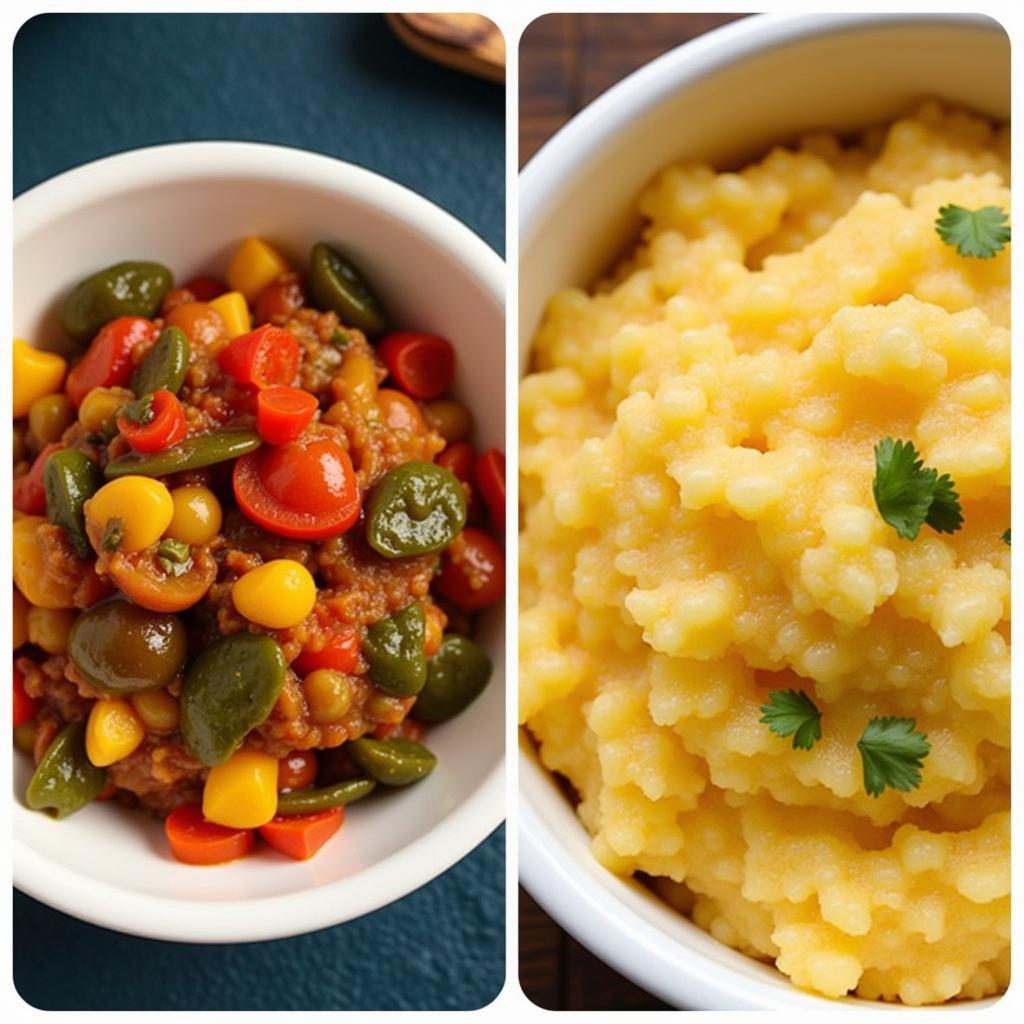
465	42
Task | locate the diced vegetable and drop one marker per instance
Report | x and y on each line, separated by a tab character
30	488
414	509
339	650
70	479
460	460
229	689
309	801
242	791
301	835
473	571
255	264
281	299
108	360
48	417
194	840
490	482
195	452
65	780
145	578
128	514
121	648
278	594
200	323
423	365
400	412
36	373
113	732
394	762
25	707
233	311
40	587
305	490
153	423
165	364
158	710
206	289
393	647
335	284
451	419
283	413
131	289
50	628
456	676
328	695
296	770
98	411
261	358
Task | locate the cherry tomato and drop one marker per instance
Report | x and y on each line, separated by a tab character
472	571
28	491
305	490
422	365
400	411
206	288
283	413
269	355
201	323
490	482
108	360
460	459
281	299
25	707
296	770
153	423
194	840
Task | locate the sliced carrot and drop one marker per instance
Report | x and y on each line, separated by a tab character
194	840
301	835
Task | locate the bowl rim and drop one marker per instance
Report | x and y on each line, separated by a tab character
461	829
592	914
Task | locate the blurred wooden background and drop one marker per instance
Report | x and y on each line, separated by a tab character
565	61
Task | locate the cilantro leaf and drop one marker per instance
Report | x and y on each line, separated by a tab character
793	713
1006	536
892	752
979	233
908	493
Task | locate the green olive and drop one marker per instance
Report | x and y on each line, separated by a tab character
414	509
393	647
164	365
456	676
395	762
133	288
335	284
326	798
70	479
122	648
65	779
230	688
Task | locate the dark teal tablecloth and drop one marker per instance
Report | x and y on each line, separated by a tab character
88	86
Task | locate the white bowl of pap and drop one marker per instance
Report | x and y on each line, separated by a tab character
764	452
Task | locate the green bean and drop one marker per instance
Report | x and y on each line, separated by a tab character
193	453
164	365
394	762
309	801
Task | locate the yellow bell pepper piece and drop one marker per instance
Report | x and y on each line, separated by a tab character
19	619
278	595
197	514
142	506
36	373
254	265
234	312
38	586
49	628
242	792
112	732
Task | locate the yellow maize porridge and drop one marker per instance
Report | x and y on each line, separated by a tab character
700	531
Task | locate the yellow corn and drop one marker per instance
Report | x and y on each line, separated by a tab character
112	732
277	595
36	373
142	506
49	628
357	378
159	711
19	619
254	265
99	407
38	586
234	312
242	792
197	515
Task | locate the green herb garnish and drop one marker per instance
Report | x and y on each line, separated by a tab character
173	555
908	493
140	411
113	534
793	713
892	753
978	233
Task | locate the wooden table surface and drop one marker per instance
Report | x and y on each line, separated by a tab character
565	61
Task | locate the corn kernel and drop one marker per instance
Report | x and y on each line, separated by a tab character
242	792
142	508
159	711
254	265
234	312
197	515
113	731
277	595
36	373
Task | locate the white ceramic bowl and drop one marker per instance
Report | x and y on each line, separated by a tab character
187	206
725	98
